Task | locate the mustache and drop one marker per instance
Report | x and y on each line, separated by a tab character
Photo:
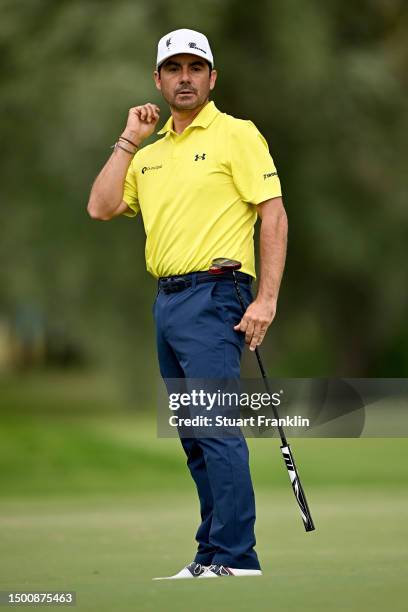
184	89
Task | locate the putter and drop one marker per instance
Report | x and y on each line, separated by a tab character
221	265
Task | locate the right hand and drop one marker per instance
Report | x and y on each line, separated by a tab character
141	122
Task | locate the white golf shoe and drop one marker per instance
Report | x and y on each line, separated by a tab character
193	570
217	571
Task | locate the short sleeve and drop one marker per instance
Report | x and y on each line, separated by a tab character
253	170
130	192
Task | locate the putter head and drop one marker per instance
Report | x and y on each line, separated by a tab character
222	264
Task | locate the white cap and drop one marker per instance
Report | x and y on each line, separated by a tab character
184	41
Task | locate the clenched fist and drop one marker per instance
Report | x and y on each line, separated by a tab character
141	122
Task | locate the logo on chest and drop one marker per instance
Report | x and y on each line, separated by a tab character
198	156
148	168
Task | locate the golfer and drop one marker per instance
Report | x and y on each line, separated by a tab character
199	189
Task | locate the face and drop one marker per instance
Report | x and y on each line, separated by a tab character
185	81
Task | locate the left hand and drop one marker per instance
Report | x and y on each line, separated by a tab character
255	322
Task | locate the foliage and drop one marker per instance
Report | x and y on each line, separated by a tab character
325	82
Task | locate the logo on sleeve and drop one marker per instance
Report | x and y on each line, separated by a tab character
269	174
198	156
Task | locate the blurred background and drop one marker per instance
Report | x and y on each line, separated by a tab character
327	84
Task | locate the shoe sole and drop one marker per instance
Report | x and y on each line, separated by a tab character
232	576
176	578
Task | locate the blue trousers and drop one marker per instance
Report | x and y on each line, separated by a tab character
196	339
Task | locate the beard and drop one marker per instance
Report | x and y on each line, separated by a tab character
182	102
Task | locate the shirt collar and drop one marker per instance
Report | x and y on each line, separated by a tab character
203	119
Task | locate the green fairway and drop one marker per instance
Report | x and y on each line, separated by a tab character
92	501
108	551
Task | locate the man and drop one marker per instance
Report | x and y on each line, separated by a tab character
199	189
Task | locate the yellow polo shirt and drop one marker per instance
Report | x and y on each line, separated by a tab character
197	192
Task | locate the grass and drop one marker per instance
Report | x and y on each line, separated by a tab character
120	453
91	500
108	551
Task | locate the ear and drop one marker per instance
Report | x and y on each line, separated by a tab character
157	79
213	78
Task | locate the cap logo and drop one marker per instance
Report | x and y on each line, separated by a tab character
193	45
168	42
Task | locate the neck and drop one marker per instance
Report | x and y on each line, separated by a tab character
183	118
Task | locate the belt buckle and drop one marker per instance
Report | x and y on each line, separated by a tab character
173	284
